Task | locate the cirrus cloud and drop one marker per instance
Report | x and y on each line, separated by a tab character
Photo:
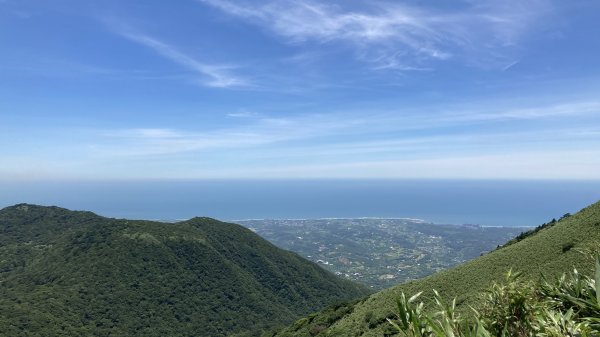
399	36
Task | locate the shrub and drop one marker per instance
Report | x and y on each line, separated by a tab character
569	307
567	247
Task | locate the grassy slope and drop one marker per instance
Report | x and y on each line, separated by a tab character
538	254
79	274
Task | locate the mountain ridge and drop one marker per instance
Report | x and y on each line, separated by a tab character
78	273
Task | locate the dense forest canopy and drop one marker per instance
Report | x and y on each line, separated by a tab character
79	274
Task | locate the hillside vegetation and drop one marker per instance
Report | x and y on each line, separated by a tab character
567	307
79	274
551	251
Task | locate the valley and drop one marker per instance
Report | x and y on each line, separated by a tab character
380	253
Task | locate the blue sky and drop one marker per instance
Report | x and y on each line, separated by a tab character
501	89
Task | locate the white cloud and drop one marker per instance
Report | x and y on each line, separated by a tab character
151	133
393	35
347	134
343	145
242	113
547	111
218	76
517	165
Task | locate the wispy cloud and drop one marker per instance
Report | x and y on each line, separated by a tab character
157	142
510	65
393	35
211	75
505	143
218	76
572	109
243	113
349	133
519	164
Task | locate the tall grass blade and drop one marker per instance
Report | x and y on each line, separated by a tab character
598	279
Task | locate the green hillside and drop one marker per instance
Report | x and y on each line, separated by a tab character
79	274
551	251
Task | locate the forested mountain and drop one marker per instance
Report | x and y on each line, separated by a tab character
550	251
79	274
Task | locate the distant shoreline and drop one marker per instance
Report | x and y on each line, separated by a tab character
419	221
485	203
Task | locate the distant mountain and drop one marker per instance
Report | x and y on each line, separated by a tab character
549	250
79	274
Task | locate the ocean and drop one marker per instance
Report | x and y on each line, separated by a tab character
487	203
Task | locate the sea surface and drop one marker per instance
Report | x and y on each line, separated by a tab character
488	203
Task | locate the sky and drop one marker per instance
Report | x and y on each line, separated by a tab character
278	89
